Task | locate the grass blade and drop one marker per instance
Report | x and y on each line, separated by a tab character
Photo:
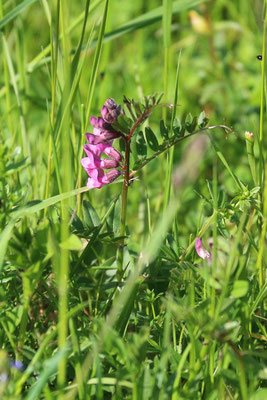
14	13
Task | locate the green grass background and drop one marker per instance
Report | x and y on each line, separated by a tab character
174	328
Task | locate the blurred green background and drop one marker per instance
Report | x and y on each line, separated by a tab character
219	73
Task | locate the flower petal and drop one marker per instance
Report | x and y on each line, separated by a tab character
91	184
203	253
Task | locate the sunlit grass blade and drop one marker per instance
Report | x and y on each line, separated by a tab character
91	87
15	12
167	189
26	144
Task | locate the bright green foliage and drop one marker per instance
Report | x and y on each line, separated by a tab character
170	325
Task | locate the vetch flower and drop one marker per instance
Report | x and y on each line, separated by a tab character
102	136
98	178
3	377
99	148
94	161
110	111
17	365
100	141
203	253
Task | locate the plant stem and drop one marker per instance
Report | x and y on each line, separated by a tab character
180	139
124	203
54	62
263	78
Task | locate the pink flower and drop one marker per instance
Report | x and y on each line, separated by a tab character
100	141
98	148
98	178
203	253
92	162
102	136
99	123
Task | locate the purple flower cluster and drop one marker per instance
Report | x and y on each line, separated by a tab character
100	141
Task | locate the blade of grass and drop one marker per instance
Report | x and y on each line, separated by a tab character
25	140
225	163
166	27
50	367
7	84
15	12
54	65
91	89
263	83
175	395
167	190
66	177
262	241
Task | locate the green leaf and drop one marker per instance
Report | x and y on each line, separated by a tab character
178	128
16	166
151	139
126	309
72	243
91	218
240	289
141	147
202	120
12	318
190	123
188	119
163	130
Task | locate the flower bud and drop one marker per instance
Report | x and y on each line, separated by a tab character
109	115
110	176
113	153
249	136
108	163
111	104
110	111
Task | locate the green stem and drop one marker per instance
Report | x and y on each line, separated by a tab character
259	263
124	203
263	64
54	62
63	276
168	146
91	89
263	76
215	236
170	154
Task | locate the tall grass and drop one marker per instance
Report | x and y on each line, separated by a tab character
99	303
